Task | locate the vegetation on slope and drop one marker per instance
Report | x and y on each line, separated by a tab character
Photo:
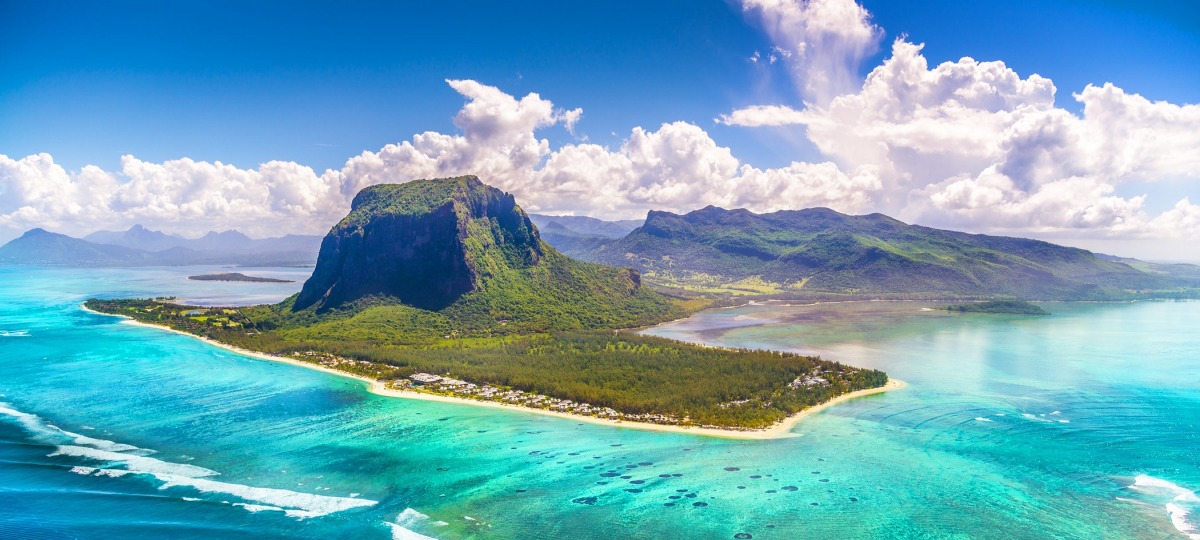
822	252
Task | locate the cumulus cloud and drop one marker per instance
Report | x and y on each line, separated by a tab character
823	42
677	166
178	195
973	144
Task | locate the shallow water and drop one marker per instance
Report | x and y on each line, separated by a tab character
1078	425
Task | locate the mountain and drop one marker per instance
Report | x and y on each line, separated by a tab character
1174	270
576	235
38	246
138	237
302	247
822	251
586	226
458	250
139	246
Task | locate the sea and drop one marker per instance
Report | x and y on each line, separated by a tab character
1082	424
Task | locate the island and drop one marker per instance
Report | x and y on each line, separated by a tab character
443	289
235	276
1013	307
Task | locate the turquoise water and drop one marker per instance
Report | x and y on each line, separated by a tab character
1079	425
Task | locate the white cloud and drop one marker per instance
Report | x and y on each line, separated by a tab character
676	167
823	42
179	195
972	144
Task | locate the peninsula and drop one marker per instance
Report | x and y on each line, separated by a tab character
444	288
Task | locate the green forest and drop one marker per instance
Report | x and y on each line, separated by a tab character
1013	307
631	373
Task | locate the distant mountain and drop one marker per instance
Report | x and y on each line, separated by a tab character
138	237
586	226
228	242
459	250
139	246
576	235
1174	270
39	246
820	250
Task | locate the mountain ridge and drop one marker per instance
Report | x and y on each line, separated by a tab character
818	250
139	246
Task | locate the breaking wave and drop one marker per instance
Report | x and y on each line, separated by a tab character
103	458
1179	499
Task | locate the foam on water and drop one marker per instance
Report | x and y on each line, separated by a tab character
123	459
408	518
14	333
1177	494
134	463
49	433
294	503
255	508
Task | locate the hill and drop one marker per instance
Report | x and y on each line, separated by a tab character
458	253
820	251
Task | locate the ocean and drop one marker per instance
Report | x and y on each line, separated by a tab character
1082	424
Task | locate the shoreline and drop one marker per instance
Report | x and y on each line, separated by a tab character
780	430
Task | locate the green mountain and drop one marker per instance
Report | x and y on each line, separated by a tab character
456	254
822	251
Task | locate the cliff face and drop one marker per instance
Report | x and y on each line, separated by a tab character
426	243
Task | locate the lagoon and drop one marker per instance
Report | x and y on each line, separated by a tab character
1081	424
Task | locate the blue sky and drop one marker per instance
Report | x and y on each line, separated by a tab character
316	83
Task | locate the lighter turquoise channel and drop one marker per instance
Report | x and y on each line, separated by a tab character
1083	424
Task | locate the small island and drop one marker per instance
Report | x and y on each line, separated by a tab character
235	276
1011	307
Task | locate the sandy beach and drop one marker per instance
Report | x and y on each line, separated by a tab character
780	430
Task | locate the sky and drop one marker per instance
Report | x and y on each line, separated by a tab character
1068	120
